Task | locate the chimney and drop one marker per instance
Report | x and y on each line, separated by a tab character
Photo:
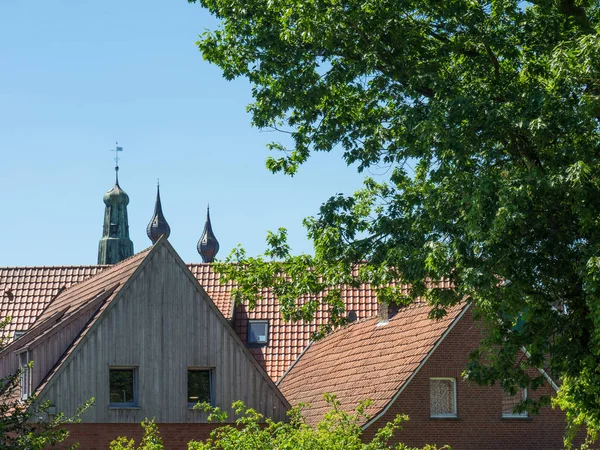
385	312
351	316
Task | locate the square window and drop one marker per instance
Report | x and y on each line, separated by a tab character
123	387
509	402
442	393
258	332
25	377
199	386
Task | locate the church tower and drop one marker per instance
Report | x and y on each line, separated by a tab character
208	246
158	225
115	244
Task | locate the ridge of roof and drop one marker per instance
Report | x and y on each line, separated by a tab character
79	293
129	268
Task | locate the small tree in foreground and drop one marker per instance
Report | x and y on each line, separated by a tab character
339	430
150	441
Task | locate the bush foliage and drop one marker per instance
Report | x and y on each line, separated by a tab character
338	430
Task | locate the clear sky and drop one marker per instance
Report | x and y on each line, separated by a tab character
78	75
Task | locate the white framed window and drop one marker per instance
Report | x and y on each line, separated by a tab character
442	397
123	387
509	402
25	376
258	332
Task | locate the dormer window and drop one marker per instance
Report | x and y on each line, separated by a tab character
258	332
18	334
25	377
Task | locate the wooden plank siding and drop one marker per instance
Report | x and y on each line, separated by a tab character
162	323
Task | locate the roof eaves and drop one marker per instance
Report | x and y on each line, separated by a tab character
94	304
93	322
294	363
546	375
23	342
422	363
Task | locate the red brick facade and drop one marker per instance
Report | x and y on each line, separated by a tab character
479	424
97	436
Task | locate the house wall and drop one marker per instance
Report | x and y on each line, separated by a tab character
47	351
47	348
479	424
161	323
97	436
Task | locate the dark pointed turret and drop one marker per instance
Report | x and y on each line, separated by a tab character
208	246
115	244
158	225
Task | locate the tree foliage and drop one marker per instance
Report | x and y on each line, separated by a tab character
484	115
151	439
339	430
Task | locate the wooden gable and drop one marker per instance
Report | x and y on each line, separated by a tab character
161	323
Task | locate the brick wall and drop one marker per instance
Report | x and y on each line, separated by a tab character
97	436
479	424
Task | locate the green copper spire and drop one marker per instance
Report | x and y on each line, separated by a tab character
115	244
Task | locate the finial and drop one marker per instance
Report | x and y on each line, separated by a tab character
208	246
158	225
116	158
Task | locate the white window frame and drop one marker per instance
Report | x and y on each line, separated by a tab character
513	415
454	414
25	375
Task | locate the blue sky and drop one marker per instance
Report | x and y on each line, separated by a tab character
78	75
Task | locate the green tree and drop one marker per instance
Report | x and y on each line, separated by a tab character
339	430
151	439
485	115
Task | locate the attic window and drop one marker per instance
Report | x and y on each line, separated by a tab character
199	386
509	402
123	387
258	332
18	334
25	376
442	398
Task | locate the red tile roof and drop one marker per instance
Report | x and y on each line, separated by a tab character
219	293
27	291
288	339
364	360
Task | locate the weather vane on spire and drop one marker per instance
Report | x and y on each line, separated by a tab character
117	150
